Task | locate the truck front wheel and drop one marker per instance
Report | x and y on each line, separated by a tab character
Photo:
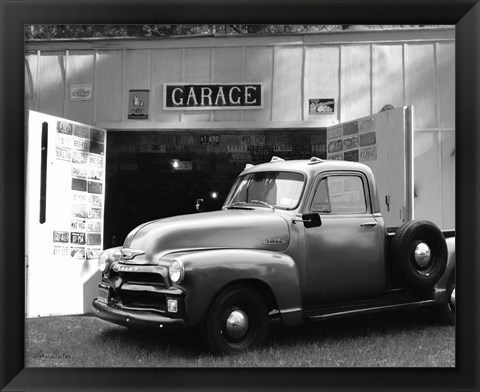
237	320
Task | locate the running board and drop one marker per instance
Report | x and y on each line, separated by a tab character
335	314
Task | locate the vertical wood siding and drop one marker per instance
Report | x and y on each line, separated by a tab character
227	68
446	84
258	68
388	71
427	177
287	84
51	83
197	66
166	68
362	78
321	80
355	83
109	86
420	84
80	71
31	80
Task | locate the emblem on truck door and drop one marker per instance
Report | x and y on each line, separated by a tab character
273	241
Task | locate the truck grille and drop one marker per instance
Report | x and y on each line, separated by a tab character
143	299
143	278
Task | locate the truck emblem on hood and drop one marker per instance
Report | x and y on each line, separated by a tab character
128	254
273	241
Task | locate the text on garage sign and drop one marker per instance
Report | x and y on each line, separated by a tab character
212	96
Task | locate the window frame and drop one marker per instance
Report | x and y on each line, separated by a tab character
365	186
236	184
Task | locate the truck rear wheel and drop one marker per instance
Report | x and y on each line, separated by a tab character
419	254
237	320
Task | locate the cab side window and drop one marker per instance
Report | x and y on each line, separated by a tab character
340	194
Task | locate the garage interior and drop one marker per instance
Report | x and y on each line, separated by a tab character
156	174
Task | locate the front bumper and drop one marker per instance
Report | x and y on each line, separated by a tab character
134	319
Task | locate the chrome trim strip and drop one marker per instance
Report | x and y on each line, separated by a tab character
130	308
366	310
283	311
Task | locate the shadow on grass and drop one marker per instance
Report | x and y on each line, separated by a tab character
186	345
376	324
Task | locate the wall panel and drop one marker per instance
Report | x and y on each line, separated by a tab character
109	86
420	90
446	84
197	68
51	83
387	76
287	84
31	80
227	68
322	79
427	177
166	68
137	75
355	83
258	69
80	71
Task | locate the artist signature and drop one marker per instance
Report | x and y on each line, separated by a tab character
54	355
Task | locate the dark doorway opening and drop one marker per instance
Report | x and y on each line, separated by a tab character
157	174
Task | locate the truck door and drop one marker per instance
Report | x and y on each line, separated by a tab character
384	142
64	214
344	254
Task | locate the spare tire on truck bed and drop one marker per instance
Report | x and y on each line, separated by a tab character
419	254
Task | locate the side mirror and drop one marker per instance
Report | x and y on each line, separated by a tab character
311	220
200	205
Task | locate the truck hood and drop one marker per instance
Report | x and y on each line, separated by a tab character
254	229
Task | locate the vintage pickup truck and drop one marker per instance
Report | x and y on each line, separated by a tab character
295	240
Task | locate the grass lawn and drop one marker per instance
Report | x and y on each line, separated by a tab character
400	339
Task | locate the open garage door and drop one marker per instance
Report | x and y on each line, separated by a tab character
156	174
384	142
64	214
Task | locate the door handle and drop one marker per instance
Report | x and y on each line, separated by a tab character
369	224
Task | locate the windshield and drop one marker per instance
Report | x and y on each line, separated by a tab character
275	188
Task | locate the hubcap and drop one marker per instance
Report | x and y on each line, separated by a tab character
422	255
237	324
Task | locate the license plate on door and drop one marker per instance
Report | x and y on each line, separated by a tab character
103	294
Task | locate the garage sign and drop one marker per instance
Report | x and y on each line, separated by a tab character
211	96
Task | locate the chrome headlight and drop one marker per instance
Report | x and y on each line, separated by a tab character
176	271
103	262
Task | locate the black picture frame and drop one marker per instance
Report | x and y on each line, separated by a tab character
14	14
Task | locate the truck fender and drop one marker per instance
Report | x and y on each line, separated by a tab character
208	272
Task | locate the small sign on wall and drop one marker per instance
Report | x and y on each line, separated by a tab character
81	92
321	106
138	101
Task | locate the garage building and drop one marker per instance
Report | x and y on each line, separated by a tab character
185	114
